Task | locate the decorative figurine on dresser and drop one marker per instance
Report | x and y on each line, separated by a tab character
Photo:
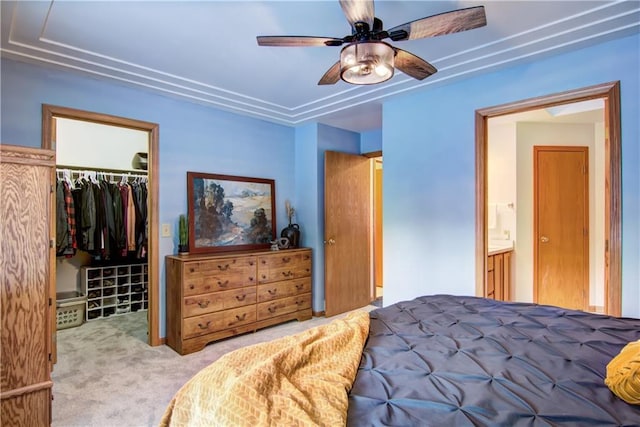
210	297
292	231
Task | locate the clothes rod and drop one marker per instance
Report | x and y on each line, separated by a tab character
103	170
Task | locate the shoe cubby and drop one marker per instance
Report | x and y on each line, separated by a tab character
115	290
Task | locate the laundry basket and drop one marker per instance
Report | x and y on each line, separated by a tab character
70	308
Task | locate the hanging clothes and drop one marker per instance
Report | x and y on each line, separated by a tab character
62	231
104	218
140	202
86	218
123	188
66	243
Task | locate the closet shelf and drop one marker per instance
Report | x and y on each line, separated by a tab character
115	290
142	173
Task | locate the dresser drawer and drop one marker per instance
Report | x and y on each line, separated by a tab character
270	291
217	301
285	266
275	308
218	275
200	284
221	265
218	321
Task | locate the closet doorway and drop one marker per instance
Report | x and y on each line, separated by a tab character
51	115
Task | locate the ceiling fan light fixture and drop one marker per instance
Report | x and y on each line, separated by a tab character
366	62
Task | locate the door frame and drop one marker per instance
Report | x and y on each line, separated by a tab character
372	238
610	93
49	112
536	218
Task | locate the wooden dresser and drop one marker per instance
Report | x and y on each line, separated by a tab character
215	296
26	266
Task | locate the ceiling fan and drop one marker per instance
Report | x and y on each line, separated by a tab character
366	59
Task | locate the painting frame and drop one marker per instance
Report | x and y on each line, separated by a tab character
228	213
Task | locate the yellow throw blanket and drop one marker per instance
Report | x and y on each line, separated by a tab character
299	380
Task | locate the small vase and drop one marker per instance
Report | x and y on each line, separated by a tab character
292	232
183	250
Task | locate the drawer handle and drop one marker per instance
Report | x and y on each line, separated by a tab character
272	291
241	297
204	304
287	273
223	267
223	284
264	276
250	262
192	270
299	286
286	259
192	286
251	279
272	309
205	326
244	316
264	261
299	302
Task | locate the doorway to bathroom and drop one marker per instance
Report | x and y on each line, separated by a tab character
609	205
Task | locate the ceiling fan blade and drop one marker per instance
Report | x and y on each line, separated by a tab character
297	41
331	76
443	23
413	65
358	11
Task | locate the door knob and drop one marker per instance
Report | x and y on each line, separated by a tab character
329	242
544	239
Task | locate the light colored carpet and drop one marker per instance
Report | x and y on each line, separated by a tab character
107	375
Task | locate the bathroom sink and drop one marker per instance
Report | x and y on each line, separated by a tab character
499	245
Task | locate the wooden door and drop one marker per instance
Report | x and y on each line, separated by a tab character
561	226
347	227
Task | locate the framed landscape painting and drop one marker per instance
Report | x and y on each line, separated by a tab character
230	213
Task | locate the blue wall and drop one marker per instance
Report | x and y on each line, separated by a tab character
429	168
371	141
308	214
192	137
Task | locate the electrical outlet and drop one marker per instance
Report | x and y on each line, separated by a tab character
166	230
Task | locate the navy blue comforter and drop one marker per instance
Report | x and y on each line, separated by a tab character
463	361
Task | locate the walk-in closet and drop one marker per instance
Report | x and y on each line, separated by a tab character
102	233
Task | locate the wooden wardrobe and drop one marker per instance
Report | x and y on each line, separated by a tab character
26	260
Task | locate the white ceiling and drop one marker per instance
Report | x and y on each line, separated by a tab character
206	51
579	112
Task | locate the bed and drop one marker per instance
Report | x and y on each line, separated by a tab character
452	361
437	360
